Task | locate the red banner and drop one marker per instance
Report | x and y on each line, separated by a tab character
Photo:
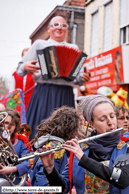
106	68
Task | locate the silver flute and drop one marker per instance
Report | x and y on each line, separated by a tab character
59	147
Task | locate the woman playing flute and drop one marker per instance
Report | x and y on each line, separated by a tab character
61	126
92	169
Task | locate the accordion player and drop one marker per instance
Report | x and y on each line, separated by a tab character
60	61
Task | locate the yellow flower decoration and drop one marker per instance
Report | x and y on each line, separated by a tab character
58	154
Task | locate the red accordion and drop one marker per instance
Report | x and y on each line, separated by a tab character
60	61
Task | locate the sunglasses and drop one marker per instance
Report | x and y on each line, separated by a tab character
123	118
57	24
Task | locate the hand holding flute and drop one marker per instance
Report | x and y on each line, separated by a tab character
72	146
48	160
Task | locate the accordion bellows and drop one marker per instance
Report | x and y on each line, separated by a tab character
60	61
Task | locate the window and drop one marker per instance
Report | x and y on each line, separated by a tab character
107	38
94	35
124	22
124	35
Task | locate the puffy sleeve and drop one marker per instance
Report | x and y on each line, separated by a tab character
21	150
55	179
30	55
38	178
60	160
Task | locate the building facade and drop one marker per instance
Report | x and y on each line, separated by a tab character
106	36
74	13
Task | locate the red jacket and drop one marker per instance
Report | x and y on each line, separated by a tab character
24	83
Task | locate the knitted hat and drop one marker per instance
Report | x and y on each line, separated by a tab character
89	102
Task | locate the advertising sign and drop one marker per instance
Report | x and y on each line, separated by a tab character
106	68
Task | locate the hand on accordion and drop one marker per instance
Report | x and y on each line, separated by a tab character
86	75
31	67
61	61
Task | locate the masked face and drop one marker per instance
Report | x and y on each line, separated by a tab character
57	29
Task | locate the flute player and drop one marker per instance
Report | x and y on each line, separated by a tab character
92	167
61	126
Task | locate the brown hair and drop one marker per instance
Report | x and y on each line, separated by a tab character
63	123
15	118
25	129
119	108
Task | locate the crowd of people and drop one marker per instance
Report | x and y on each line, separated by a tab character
87	167
53	120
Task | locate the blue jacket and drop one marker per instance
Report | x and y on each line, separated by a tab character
126	134
23	166
37	176
78	173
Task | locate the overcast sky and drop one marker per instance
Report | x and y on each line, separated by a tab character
18	19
